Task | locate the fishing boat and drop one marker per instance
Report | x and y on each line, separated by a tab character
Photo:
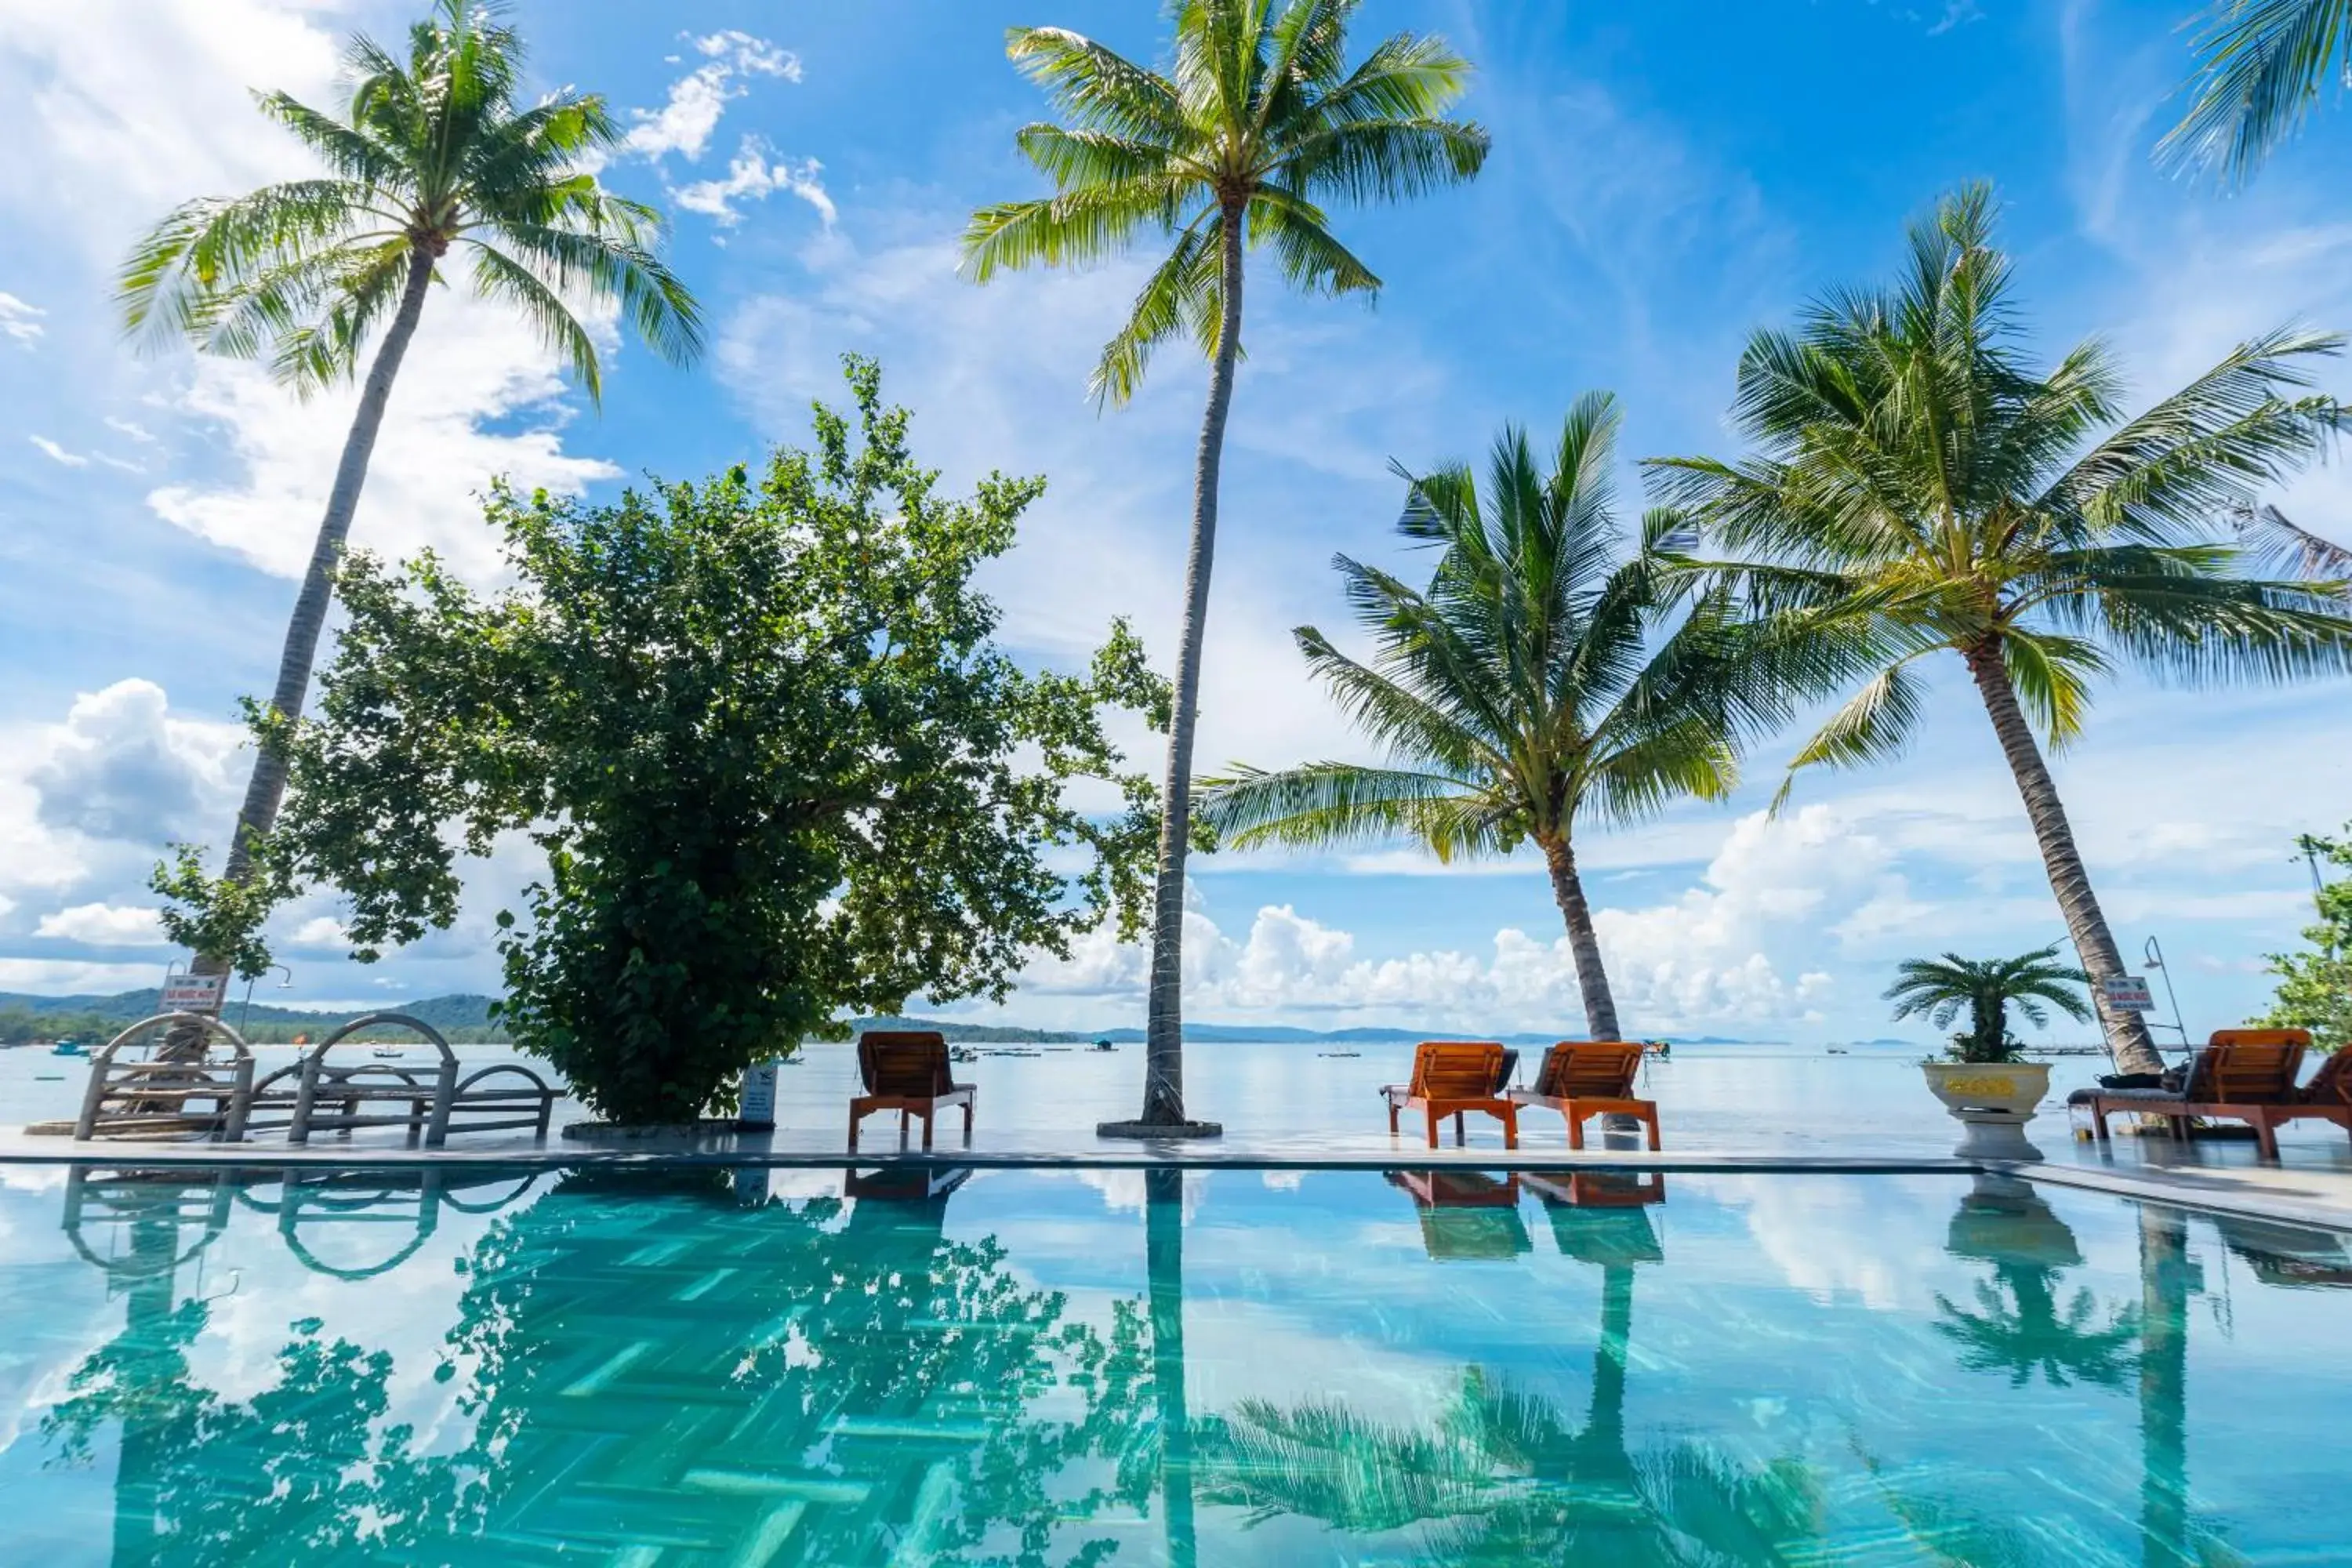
1102	1046
386	1053
69	1049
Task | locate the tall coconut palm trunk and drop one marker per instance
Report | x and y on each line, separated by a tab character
2128	1040
266	788
1591	979
1163	1066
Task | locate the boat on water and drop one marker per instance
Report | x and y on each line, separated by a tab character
69	1049
386	1053
1102	1046
1840	1051
1338	1053
963	1054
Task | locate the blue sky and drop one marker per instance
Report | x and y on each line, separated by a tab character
1664	178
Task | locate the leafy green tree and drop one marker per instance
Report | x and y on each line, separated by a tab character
1546	677
2314	986
2261	66
1922	488
434	156
759	728
1987	988
1259	122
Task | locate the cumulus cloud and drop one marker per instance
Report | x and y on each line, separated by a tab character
121	766
104	925
1744	948
20	321
685	124
752	175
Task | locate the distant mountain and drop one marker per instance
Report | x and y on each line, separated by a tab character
447	1013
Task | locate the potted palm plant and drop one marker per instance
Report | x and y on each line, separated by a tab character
1982	1078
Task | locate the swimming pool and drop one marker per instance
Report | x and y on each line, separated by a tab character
1096	1367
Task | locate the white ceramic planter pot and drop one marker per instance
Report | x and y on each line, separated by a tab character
1992	1102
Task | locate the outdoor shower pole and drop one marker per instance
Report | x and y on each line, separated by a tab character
2154	953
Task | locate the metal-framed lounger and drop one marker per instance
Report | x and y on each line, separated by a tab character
907	1071
1581	1078
137	1091
2241	1075
1452	1077
431	1102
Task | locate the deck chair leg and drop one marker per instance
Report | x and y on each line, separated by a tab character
1510	1129
2099	1123
1652	1120
1575	1131
853	1131
1432	1128
2265	1138
1392	1118
967	1120
1461	1133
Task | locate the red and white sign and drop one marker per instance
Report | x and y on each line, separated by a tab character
2126	994
194	992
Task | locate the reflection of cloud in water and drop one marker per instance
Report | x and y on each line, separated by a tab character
1124	1192
1879	1241
1282	1181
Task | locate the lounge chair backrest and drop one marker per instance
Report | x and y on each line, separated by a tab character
2252	1066
911	1064
1456	1069
2332	1084
1590	1069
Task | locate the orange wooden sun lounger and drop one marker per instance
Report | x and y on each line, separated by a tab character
906	1072
1450	1077
2241	1075
1581	1078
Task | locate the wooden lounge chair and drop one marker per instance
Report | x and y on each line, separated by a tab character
1582	1078
907	1072
2241	1075
1452	1077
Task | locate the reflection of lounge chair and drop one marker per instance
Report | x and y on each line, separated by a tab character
1581	1078
139	1214
1450	1077
907	1072
358	1204
1596	1216
2288	1254
2242	1074
136	1091
1465	1215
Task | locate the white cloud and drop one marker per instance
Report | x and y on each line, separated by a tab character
121	766
74	977
104	925
57	454
322	932
137	432
698	100
472	365
755	176
19	320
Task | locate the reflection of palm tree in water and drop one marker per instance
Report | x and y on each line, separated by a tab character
1502	1475
769	1385
2018	1326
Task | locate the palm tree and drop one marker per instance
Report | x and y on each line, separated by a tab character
1923	488
434	155
1540	680
2261	64
1259	122
1987	988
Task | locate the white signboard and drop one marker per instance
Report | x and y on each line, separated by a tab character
193	992
758	1105
2126	994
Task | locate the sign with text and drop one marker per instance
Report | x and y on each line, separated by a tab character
2126	994
194	992
757	1107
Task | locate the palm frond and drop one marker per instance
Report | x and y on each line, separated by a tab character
2261	65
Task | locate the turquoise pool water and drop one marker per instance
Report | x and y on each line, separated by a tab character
1092	1367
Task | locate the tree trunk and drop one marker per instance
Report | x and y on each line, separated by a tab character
1163	1230
1163	1063
2164	1267
1591	979
266	788
2128	1041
